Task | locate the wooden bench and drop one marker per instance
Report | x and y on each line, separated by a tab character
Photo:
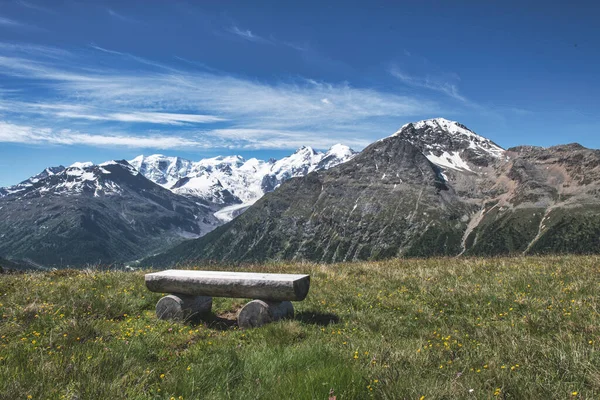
191	293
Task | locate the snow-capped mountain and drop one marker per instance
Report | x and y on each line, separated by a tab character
451	145
165	171
23	186
78	178
96	213
233	183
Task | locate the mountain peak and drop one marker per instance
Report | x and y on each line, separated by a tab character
340	150
450	144
81	165
439	124
161	169
305	149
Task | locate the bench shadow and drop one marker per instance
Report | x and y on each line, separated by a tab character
317	318
224	322
228	321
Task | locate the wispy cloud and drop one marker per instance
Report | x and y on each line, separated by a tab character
120	17
10	22
196	64
34	6
442	82
428	82
141	60
14	24
237	138
33	50
296	46
14	133
249	113
164	118
73	111
248	35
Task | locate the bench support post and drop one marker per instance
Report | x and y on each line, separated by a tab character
259	312
182	306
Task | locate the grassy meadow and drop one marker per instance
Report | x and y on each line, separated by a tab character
507	328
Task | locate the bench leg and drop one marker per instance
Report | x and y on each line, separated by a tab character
259	312
182	306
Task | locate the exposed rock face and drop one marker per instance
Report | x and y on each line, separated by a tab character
540	200
433	188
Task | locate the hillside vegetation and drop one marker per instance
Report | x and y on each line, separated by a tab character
522	328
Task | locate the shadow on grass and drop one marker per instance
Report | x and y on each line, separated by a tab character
221	322
317	318
228	320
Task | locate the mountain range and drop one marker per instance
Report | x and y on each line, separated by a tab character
120	211
433	188
232	183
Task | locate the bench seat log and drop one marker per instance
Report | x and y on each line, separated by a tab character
268	287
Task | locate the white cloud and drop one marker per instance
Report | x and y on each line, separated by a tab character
247	35
250	36
9	22
285	139
428	82
234	138
34	6
120	17
13	133
250	113
247	102
74	111
164	118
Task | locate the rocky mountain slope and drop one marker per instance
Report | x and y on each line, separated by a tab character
539	201
432	188
95	214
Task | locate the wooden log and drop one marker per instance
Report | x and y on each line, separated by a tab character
182	306
270	287
259	312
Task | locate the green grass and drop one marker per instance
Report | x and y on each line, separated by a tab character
522	328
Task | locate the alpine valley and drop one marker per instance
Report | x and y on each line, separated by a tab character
433	188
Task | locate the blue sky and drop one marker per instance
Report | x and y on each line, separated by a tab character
94	80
